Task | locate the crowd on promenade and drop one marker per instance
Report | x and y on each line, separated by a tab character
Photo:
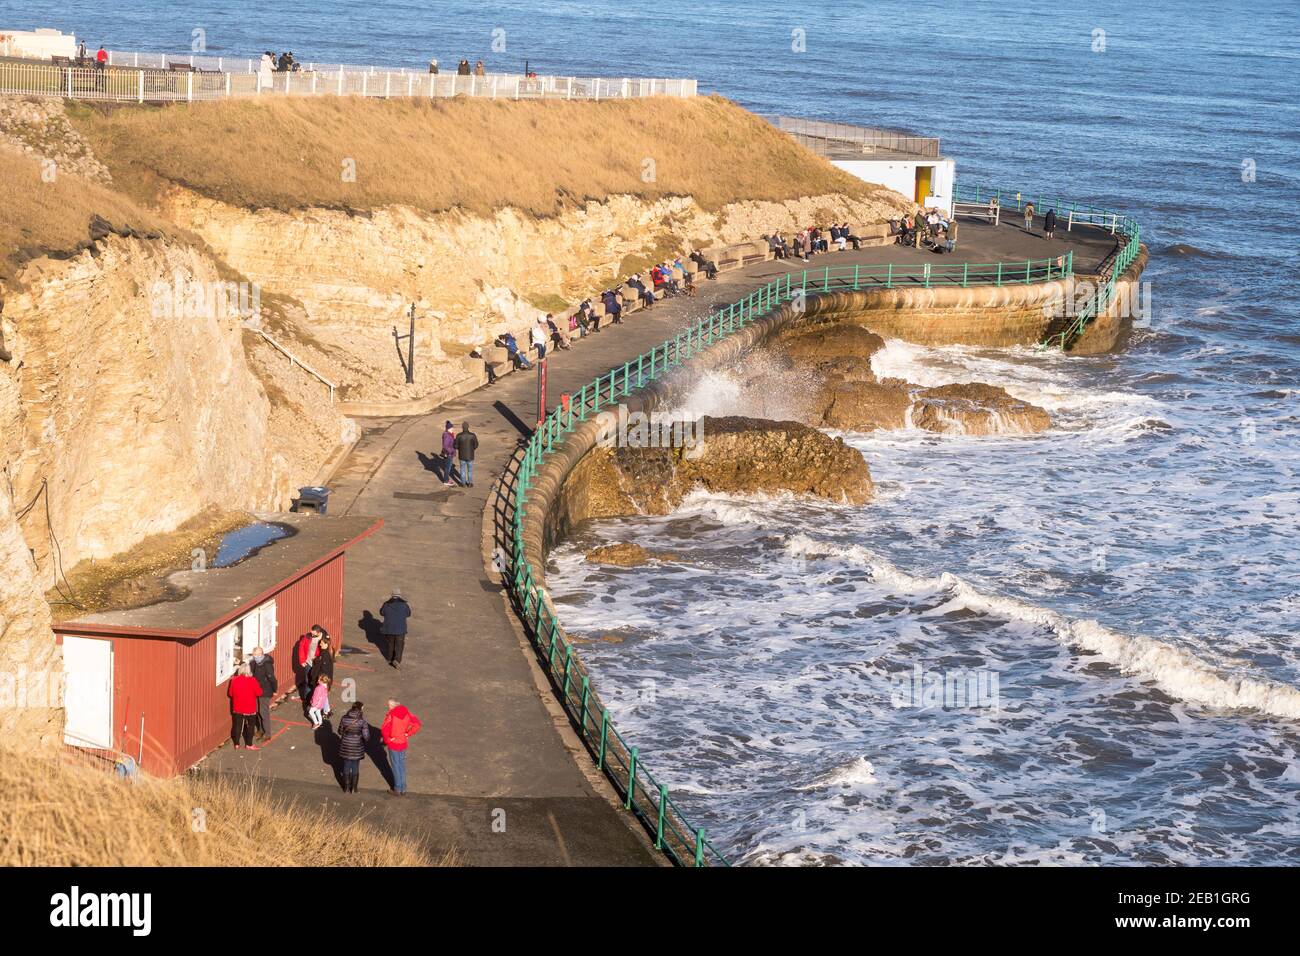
254	686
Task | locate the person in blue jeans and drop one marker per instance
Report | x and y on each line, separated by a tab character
466	445
400	725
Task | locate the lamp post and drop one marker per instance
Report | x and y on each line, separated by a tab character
410	348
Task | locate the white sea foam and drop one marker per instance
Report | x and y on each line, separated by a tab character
1172	669
859	773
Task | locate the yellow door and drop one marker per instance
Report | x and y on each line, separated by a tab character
923	174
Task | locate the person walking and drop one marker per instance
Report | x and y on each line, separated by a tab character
243	693
1029	217
479	69
395	612
262	667
1049	224
952	234
320	703
354	735
466	445
400	725
448	454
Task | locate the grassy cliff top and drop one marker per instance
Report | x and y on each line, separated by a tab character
46	210
473	154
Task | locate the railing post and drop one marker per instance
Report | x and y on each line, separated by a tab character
141	86
699	847
582	717
631	781
965	274
999	279
604	736
663	808
889	277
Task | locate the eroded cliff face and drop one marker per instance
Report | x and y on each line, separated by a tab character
29	662
137	406
471	278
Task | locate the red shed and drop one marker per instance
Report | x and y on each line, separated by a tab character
159	673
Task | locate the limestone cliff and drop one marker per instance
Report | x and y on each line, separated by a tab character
137	404
470	277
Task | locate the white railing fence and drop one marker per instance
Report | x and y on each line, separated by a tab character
149	84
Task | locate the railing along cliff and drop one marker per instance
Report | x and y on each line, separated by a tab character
642	793
147	85
1128	242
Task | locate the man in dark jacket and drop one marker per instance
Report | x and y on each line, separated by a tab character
466	443
395	612
263	669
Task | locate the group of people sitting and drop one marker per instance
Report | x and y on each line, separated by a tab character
550	332
931	229
812	240
284	63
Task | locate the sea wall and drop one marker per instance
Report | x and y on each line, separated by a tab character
986	315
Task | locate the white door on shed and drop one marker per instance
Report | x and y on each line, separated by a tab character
88	692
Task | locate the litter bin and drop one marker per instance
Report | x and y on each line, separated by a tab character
312	499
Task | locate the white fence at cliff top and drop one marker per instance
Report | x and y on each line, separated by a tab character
125	82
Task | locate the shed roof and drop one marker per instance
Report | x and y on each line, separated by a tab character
219	595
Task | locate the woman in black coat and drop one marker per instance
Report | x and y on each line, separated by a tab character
323	665
354	735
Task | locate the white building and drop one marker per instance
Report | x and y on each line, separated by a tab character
911	165
37	44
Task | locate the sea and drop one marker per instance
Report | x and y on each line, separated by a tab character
1077	647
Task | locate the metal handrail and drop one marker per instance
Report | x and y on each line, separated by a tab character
642	794
1128	243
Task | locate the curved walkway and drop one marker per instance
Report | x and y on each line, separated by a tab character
497	773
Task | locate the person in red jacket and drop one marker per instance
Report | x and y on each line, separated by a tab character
400	725
304	655
243	693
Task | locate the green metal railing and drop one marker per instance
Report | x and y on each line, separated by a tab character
1128	241
641	792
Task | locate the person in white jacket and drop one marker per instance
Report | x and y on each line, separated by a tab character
538	337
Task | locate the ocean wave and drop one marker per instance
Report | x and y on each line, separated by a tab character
1173	670
858	773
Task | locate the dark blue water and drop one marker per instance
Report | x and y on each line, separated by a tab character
1128	576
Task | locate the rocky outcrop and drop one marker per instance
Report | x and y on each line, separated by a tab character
974	408
744	456
828	364
626	554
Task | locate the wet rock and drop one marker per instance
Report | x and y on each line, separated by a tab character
975	408
626	554
744	456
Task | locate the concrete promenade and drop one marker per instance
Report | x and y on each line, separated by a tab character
496	772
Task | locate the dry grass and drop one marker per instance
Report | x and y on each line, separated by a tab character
54	217
56	814
472	154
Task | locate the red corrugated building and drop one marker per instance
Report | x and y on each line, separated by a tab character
150	682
